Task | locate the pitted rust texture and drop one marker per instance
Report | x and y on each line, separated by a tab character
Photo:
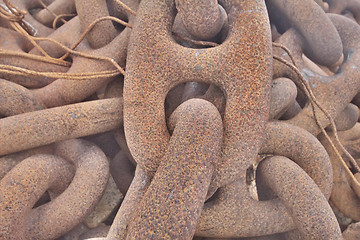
16	99
178	190
325	46
347	118
266	217
155	64
23	186
303	148
167	65
342	195
135	193
122	171
11	160
61	91
345	6
352	232
64	122
38	29
203	19
13	41
90	10
293	40
342	87
95	233
226	217
79	198
311	212
350	139
283	95
61	36
57	7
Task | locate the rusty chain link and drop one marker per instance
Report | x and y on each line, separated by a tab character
174	119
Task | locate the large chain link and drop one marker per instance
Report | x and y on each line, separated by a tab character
215	118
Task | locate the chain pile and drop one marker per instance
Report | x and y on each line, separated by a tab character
179	119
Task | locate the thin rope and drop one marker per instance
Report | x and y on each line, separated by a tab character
15	17
127	8
196	42
60	17
286	50
34	57
74	52
49	10
313	101
69	51
88	29
56	75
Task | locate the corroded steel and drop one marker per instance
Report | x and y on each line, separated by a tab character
17	99
322	42
342	87
79	198
122	171
23	186
246	83
178	190
342	194
285	140
57	7
310	210
90	10
15	42
61	91
37	28
11	160
209	146
203	19
283	95
343	6
218	218
64	122
347	118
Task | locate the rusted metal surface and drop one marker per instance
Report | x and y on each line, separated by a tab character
122	171
283	95
62	92
37	28
342	87
342	195
325	46
203	19
17	99
219	216
135	193
88	12
172	64
347	118
285	140
13	41
352	232
57	7
341	7
77	194
11	160
299	194
82	119
79	198
178	190
21	188
220	137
